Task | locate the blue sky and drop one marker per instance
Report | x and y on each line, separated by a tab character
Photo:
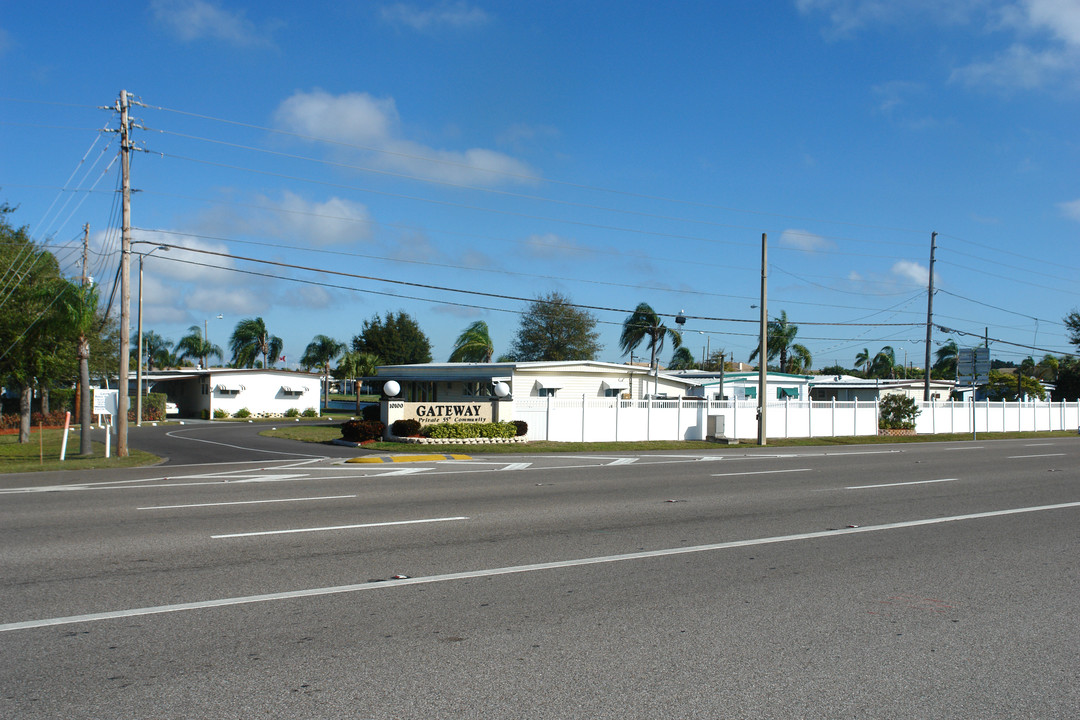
615	152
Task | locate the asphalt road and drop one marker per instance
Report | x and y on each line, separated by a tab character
931	581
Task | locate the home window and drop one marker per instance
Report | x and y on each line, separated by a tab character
294	391
475	389
228	389
547	392
783	393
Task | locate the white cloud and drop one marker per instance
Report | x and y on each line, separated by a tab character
1070	210
456	15
554	247
373	125
333	222
845	17
1018	67
805	240
193	20
911	271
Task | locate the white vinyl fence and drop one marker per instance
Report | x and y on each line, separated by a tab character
611	419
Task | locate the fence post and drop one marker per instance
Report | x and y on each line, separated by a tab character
834	417
547	419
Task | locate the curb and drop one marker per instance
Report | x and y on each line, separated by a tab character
407	458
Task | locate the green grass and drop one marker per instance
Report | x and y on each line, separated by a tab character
43	453
329	433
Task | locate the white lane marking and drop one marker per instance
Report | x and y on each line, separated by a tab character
401	471
898	484
1038	444
763	472
1020	457
622	461
245	502
338	527
968	447
266	478
514	569
514	466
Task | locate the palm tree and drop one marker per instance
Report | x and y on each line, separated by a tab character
884	363
800	359
473	344
156	349
319	352
644	324
781	342
194	345
862	359
945	359
682	359
357	365
80	308
251	339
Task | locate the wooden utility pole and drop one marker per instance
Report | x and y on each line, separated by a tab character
929	318
125	278
79	385
763	349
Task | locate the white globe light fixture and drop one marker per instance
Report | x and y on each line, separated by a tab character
391	388
501	389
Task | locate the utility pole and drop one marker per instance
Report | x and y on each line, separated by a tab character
929	318
763	351
125	277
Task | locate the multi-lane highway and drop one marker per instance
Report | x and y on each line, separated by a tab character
936	580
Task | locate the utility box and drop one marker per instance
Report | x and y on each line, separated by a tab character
714	428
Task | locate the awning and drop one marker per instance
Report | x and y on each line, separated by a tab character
549	384
787	392
232	389
615	385
751	392
292	391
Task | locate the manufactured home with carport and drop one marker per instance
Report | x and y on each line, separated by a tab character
265	393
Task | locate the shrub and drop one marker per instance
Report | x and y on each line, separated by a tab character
292	412
471	430
219	413
405	428
62	399
362	430
371	412
242	413
310	412
897	412
522	427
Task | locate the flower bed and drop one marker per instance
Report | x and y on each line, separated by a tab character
895	432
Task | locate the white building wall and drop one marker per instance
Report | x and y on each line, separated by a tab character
264	393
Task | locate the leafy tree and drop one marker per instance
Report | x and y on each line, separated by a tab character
195	345
250	339
645	325
553	329
1003	386
1067	386
834	370
473	344
397	339
319	352
781	343
35	330
682	359
1047	369
1072	323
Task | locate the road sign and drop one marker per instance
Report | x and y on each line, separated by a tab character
973	366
